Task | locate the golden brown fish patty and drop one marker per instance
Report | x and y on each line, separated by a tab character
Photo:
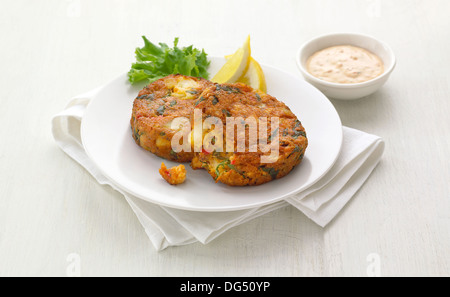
155	108
245	167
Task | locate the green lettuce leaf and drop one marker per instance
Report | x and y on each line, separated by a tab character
156	61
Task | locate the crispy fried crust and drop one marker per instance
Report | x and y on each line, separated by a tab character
157	105
246	168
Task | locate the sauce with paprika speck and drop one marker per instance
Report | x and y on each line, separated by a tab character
345	64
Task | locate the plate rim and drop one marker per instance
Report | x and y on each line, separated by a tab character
284	196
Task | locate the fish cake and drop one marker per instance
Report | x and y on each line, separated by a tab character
245	168
157	105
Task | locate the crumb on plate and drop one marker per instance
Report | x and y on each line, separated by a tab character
175	175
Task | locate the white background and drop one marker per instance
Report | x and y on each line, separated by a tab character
53	213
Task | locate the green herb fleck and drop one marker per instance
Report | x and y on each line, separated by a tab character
219	155
299	133
221	164
136	135
169	93
258	97
226	112
173	154
274	134
200	100
215	100
295	150
232	167
271	171
193	92
174	102
228	89
161	110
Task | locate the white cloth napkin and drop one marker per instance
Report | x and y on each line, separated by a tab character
166	226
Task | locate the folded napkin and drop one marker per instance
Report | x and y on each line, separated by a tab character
166	226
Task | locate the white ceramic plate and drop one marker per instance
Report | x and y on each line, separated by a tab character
107	138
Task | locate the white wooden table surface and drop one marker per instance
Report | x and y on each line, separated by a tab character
52	209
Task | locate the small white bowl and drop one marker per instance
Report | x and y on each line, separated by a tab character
347	91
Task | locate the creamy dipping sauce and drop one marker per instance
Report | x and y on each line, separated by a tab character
345	64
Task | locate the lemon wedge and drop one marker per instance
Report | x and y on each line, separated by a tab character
254	76
235	66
